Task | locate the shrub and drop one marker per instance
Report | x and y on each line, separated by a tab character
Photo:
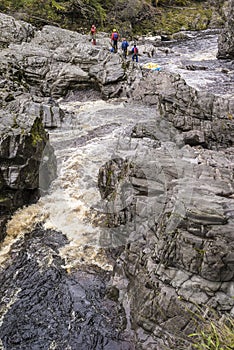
214	332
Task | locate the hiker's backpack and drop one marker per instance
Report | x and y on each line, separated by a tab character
135	50
115	36
124	45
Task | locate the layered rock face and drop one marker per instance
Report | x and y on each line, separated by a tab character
226	42
56	62
180	219
204	117
27	161
14	31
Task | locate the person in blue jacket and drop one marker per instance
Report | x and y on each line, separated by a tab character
124	47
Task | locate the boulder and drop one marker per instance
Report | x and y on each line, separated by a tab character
206	118
12	31
27	162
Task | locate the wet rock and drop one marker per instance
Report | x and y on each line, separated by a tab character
50	112
194	138
27	161
146	49
110	175
188	108
44	306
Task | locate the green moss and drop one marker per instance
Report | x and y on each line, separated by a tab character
5	201
100	14
57	5
200	251
37	132
15	124
173	20
191	16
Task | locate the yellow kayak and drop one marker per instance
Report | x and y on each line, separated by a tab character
152	66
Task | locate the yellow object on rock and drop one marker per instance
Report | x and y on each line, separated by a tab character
152	66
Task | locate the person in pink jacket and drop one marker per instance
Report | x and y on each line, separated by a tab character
114	39
93	31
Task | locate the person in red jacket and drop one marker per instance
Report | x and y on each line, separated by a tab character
135	53
114	39
93	31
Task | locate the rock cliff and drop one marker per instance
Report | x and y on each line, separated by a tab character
27	161
177	206
225	44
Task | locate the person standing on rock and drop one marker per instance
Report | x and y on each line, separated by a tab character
124	47
135	53
114	40
93	31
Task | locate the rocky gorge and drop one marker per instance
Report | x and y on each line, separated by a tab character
133	233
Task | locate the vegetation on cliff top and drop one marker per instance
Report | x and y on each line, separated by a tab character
129	16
